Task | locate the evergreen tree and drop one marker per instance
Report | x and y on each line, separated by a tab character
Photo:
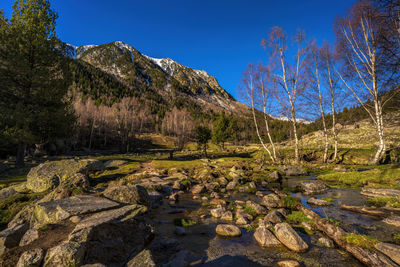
34	77
203	136
224	129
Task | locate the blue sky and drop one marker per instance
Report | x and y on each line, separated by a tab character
218	36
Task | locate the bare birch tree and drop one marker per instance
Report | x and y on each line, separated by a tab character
249	87
364	63
290	80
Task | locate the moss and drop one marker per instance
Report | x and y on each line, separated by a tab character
185	182
185	222
364	241
396	236
297	217
333	221
291	202
383	177
9	207
328	199
251	211
251	228
391	202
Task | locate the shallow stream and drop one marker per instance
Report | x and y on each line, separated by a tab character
244	251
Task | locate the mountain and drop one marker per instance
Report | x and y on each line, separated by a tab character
165	78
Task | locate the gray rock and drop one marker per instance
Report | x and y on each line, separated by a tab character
275	176
156	199
217	213
7	192
272	201
32	258
318	202
222	181
313	187
58	210
143	259
198	189
274	217
129	194
390	250
326	242
378	192
256	207
289	237
30	236
92	238
265	238
231	185
228	230
212	186
50	174
227	216
11	237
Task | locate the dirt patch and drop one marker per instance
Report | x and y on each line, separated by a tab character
49	237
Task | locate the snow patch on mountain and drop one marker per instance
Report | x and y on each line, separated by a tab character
299	120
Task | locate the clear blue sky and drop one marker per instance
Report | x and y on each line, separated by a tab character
218	36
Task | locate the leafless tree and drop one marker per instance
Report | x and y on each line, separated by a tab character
252	78
365	64
290	77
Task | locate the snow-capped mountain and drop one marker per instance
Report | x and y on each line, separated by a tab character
298	120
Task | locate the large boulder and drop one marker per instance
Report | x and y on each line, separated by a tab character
30	236
51	174
256	207
391	250
274	216
380	192
313	187
265	238
108	237
58	210
129	194
31	258
289	237
228	230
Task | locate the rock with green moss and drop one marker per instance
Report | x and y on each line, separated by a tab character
228	230
59	210
124	230
7	192
272	201
51	174
130	194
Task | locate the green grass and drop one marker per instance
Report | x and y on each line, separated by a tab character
297	217
291	202
328	199
390	202
396	236
9	207
363	241
169	164
251	211
383	177
185	222
333	221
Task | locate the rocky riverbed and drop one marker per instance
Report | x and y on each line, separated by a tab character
179	218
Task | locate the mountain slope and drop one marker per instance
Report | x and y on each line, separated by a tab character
165	77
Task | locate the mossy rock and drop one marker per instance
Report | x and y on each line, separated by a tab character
51	174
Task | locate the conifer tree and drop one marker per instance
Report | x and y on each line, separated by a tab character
34	79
